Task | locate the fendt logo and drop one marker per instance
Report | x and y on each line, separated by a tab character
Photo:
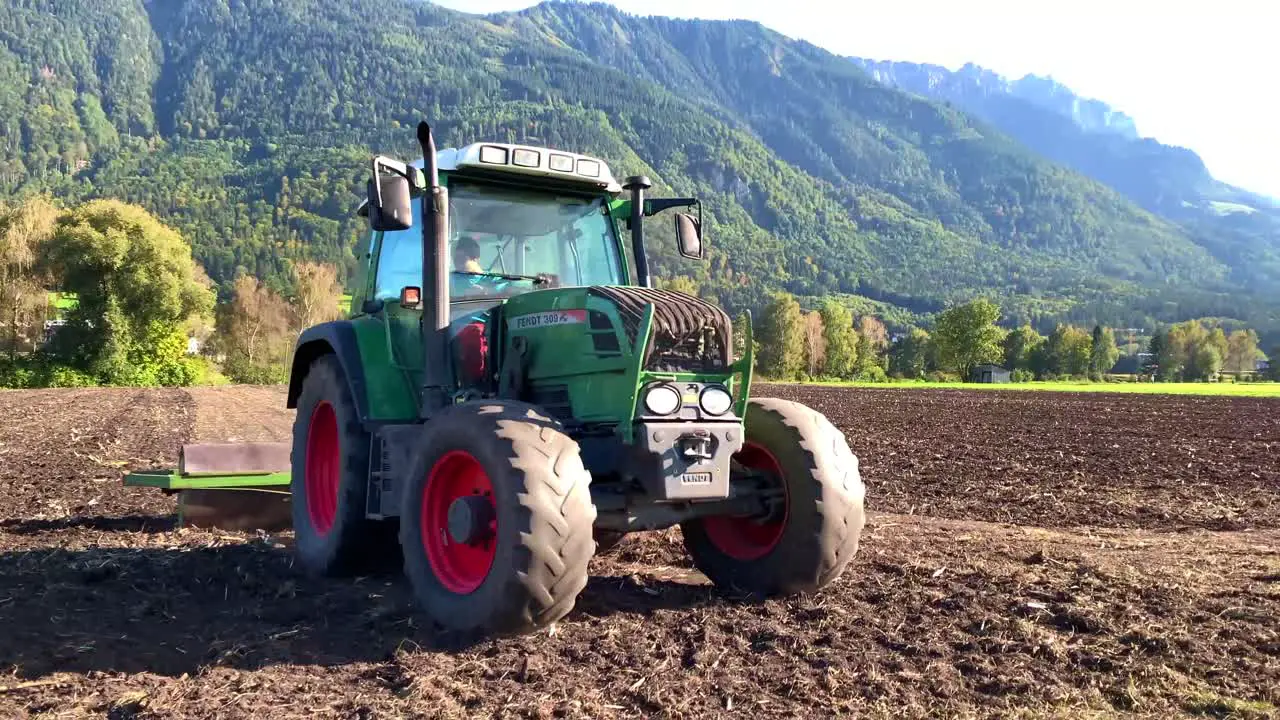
544	319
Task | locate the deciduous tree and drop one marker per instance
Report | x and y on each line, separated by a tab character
781	337
136	285
1242	352
254	333
910	354
319	293
1103	352
815	344
1021	347
966	336
1068	350
841	339
24	229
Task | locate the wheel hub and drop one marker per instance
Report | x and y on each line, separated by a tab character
470	519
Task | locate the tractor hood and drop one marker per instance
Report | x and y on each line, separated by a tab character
585	352
688	334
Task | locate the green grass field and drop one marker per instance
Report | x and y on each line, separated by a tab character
1260	389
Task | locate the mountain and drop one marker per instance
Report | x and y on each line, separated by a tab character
247	124
1240	228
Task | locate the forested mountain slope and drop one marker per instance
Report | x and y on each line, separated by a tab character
247	123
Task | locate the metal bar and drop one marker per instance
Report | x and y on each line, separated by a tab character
175	481
745	366
635	372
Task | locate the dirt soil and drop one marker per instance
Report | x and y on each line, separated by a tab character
1027	555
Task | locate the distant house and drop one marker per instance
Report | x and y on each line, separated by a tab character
1264	365
990	374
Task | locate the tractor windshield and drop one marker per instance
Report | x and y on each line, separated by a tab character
508	241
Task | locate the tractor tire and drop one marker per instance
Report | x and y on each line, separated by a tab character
330	463
822	520
514	558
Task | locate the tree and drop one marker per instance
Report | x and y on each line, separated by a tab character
24	230
681	284
1167	351
740	326
815	344
1103	352
1185	361
1068	351
841	339
910	354
781	338
1020	348
318	294
873	341
1242	352
254	333
966	336
1155	349
136	286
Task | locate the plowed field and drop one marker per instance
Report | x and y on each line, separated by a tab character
1027	554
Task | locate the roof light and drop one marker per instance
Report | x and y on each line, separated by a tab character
493	155
525	158
590	168
561	163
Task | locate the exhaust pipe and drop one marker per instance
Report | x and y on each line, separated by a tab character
435	279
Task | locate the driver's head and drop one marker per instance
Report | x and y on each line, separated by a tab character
466	255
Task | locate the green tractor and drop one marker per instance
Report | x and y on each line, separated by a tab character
508	397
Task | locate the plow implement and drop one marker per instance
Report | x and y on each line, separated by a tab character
231	486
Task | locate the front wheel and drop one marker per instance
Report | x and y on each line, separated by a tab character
496	519
814	530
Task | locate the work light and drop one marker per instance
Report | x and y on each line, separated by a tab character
662	400
493	155
715	400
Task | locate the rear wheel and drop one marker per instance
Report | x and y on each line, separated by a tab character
817	519
496	519
330	463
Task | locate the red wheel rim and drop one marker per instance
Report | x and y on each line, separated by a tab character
324	465
460	567
744	538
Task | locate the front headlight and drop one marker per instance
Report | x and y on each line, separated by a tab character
715	401
662	400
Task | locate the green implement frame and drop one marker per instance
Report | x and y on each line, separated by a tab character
227	485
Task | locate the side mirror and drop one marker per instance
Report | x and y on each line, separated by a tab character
689	236
389	203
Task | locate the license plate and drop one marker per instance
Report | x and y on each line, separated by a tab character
702	478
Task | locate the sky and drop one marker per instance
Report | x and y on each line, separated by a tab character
1193	74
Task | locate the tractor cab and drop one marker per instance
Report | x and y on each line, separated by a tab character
513	228
521	220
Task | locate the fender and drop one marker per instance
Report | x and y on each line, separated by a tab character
338	338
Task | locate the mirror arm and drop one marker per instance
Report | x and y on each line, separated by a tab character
654	206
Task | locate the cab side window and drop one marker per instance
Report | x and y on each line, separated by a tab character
400	259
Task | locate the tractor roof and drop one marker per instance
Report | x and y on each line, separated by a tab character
524	160
528	160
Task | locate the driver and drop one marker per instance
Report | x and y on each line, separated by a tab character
467	332
466	255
